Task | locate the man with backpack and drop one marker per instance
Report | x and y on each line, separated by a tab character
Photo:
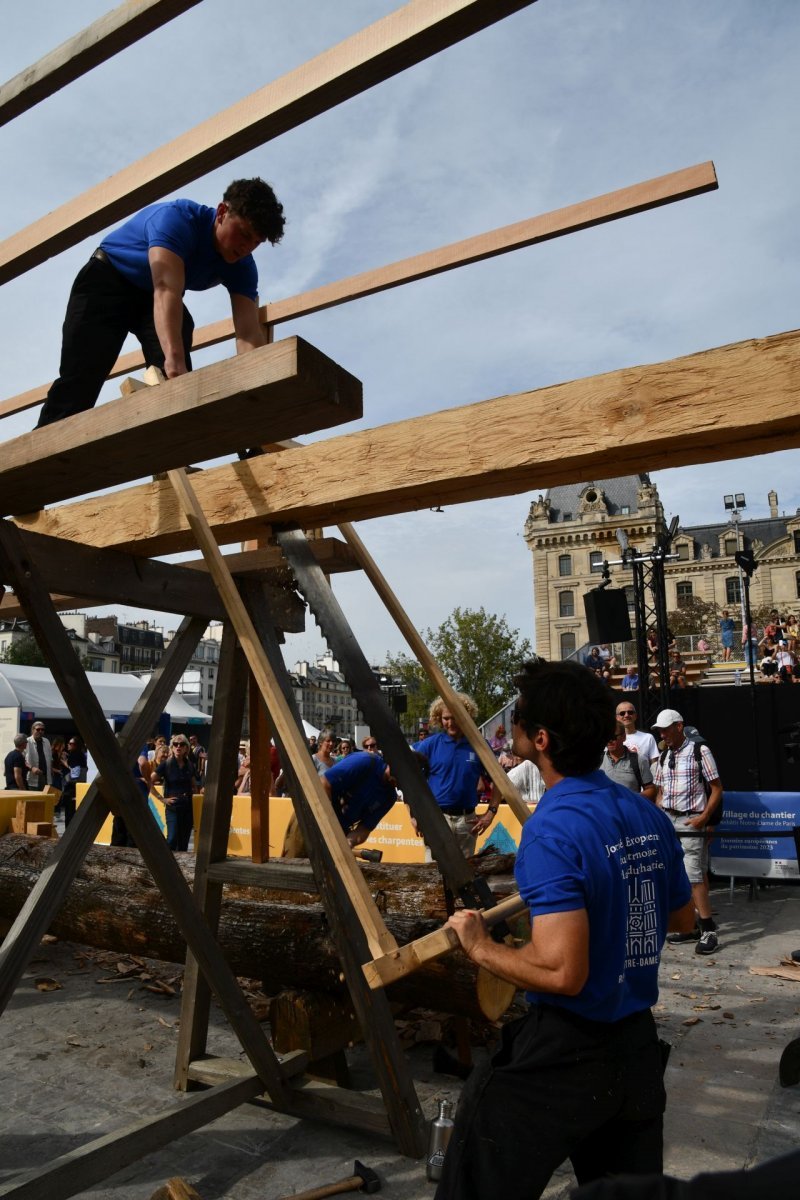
690	793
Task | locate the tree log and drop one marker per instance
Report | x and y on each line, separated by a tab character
280	938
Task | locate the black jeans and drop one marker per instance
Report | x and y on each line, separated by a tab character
103	309
560	1087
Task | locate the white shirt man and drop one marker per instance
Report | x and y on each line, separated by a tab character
643	743
39	757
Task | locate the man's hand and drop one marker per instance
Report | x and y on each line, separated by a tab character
483	822
470	928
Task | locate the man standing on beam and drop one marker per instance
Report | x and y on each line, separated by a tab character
134	283
581	1076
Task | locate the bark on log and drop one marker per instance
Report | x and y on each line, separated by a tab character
280	938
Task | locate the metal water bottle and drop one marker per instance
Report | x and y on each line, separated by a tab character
441	1132
737	675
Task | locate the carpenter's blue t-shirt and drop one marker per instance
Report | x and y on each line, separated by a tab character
185	228
360	792
455	770
594	844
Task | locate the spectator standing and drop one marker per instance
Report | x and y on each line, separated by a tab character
75	773
179	779
456	774
581	1076
750	643
726	628
346	747
369	744
626	767
16	766
527	778
499	741
58	762
690	792
323	759
39	757
637	739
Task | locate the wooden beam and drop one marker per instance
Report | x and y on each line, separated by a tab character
333	555
384	49
692	181
732	401
105	37
466	724
288	387
288	732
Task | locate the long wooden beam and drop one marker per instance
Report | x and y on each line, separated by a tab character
719	404
692	181
105	37
384	49
273	392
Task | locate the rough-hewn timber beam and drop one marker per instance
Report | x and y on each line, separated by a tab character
274	392
399	40
735	400
105	37
692	181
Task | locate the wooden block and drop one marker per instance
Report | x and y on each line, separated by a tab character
278	390
176	1189
31	810
18	825
316	1022
39	828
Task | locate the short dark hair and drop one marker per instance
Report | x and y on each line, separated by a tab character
255	201
575	707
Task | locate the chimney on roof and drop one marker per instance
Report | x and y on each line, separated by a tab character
773	503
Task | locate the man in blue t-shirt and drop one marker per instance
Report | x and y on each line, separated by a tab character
135	281
581	1076
362	790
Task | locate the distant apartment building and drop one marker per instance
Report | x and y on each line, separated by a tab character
199	681
323	697
140	646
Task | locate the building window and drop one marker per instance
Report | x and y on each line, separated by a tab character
565	564
596	560
630	598
797	584
684	593
625	510
731	546
567	644
796	536
733	591
566	516
566	604
683	551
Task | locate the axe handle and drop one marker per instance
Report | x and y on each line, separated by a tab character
352	1184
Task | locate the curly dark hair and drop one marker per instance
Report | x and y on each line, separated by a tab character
255	201
574	705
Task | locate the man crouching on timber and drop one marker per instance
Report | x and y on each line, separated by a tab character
581	1075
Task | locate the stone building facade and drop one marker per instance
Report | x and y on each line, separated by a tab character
572	529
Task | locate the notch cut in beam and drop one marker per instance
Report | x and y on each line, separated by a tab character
654	193
384	49
273	392
105	37
732	401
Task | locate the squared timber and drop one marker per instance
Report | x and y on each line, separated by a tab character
274	392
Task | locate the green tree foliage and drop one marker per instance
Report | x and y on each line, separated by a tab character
697	616
419	690
23	652
478	652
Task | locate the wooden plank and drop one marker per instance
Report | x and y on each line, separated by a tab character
79	1169
286	876
333	555
434	672
679	185
212	843
289	733
310	1098
734	400
118	779
105	37
260	773
382	50
47	896
275	391
393	966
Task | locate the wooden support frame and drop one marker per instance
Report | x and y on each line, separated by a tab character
105	37
278	390
718	404
434	672
640	197
400	40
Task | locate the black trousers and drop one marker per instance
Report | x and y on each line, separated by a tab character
103	309
560	1087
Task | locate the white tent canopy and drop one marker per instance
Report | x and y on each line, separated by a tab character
33	690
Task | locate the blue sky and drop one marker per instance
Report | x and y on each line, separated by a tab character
559	103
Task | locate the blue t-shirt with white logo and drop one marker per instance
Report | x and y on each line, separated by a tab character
455	770
185	228
593	844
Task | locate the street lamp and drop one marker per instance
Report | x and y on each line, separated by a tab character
734	504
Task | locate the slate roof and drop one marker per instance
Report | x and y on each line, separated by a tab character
763	529
619	492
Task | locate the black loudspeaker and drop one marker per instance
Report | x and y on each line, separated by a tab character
607	615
